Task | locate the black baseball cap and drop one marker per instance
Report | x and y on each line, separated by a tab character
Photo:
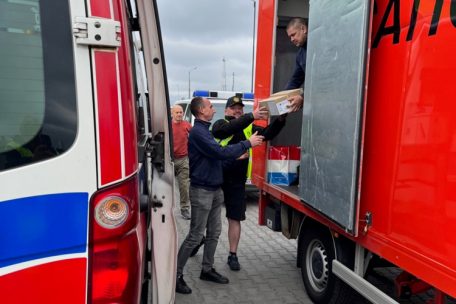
234	100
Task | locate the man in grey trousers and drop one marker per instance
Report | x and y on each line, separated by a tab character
206	197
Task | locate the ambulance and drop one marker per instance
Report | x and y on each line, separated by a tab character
86	175
377	141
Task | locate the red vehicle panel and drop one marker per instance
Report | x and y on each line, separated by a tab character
409	160
408	150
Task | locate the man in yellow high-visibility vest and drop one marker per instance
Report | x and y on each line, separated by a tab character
237	127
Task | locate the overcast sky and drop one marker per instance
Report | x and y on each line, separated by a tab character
200	33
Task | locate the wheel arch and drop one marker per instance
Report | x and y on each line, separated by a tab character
344	248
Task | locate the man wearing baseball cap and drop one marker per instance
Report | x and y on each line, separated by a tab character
235	128
233	101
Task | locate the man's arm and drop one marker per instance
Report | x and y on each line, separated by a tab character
207	146
297	79
188	127
223	129
272	129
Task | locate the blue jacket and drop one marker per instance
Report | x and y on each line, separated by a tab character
206	156
299	74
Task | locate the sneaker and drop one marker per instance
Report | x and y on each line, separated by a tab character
213	276
181	286
185	214
233	263
195	250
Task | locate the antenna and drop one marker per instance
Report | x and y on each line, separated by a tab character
232	85
189	80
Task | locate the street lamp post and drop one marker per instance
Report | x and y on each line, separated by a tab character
189	81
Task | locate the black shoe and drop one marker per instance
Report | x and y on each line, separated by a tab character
181	286
233	263
185	214
214	276
195	250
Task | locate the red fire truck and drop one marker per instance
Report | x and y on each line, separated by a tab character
86	175
378	143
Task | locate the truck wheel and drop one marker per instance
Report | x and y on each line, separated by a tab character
322	286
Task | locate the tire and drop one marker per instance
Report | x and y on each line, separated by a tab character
318	251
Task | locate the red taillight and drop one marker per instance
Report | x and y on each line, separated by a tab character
114	249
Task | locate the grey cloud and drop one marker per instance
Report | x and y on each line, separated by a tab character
200	33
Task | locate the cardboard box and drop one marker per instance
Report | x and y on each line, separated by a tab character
277	103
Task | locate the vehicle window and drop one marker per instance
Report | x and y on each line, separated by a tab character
248	108
37	88
220	110
187	113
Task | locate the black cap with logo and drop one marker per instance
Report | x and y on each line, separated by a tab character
232	101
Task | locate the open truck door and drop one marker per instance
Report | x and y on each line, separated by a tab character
334	102
159	167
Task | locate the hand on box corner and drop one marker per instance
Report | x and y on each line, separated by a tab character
256	140
260	113
296	103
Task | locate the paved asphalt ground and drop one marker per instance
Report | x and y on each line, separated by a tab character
269	274
268	267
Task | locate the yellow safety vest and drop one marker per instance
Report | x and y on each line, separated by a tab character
247	132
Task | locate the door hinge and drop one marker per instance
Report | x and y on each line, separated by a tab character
156	147
97	32
148	203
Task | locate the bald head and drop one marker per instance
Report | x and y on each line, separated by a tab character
177	113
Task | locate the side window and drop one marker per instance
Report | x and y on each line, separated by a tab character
37	90
248	108
187	113
219	110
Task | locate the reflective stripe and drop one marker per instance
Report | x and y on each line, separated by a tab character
247	133
24	152
224	142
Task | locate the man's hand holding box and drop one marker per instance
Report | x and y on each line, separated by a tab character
278	103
